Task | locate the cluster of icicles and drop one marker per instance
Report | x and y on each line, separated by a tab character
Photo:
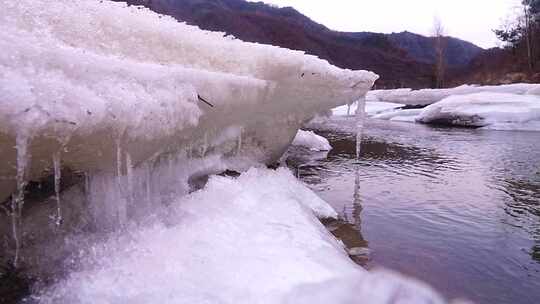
170	170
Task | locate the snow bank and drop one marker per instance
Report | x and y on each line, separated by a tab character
429	96
253	239
96	83
311	141
489	110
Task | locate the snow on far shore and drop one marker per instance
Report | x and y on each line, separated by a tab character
311	141
254	239
517	108
408	115
429	96
372	108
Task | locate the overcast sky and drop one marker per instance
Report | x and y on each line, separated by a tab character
470	20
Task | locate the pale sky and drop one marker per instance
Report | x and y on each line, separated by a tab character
470	20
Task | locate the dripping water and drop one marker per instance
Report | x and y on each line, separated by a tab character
129	170
57	177
121	209
360	116
357	199
87	183
148	183
239	146
205	144
118	159
17	201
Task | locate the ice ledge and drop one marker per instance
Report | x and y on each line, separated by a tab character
96	83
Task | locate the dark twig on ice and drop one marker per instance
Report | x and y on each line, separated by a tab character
356	84
206	102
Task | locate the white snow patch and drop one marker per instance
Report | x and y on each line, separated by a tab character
311	141
429	96
490	110
253	239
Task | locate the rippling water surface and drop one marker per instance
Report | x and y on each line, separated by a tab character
457	208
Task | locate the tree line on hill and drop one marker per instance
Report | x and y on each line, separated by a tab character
523	35
518	60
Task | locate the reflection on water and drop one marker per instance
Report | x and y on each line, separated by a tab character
457	208
348	228
535	252
525	198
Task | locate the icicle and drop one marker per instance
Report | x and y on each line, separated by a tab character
129	169
17	201
57	179
360	116
189	152
170	163
87	192
86	183
122	213
118	159
205	144
239	147
357	203
148	183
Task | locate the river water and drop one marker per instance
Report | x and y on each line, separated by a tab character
456	208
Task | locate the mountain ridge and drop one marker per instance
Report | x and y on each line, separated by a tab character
401	59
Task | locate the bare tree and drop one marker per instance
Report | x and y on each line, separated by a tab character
528	25
440	46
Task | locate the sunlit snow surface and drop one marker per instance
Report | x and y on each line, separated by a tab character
488	109
254	239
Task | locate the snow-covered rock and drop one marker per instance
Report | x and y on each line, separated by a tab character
429	96
311	141
489	110
253	239
97	83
